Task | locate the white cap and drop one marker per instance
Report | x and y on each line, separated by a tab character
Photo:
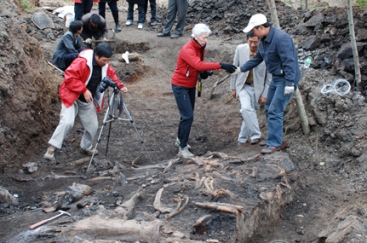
255	20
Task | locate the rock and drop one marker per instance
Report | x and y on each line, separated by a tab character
311	43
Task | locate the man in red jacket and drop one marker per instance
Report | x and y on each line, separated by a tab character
81	96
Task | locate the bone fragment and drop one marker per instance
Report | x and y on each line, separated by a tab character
179	208
254	171
202	220
224	207
135	161
167	167
81	161
158	205
102	178
132	57
5	196
129	205
161	165
217	174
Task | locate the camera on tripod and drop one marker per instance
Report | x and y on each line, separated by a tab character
107	82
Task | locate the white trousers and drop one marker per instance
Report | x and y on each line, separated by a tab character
250	125
88	118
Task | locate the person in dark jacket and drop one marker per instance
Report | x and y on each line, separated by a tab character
114	11
82	7
94	26
278	51
190	64
153	11
69	46
141	13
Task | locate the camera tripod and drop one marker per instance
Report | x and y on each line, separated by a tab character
111	116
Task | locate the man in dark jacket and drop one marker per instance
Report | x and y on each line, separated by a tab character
114	11
278	51
69	46
94	26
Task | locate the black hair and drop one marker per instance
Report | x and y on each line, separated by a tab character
250	34
96	19
75	26
103	50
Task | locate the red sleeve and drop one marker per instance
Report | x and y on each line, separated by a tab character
192	59
76	75
112	75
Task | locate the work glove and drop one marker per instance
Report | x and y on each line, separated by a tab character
230	68
88	41
204	75
238	70
288	90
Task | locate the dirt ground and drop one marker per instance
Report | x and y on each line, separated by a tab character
325	197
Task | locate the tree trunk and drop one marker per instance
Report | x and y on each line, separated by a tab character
357	70
300	107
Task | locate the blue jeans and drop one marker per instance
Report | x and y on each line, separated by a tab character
82	8
275	105
185	99
141	13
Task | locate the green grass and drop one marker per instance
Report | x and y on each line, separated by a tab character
25	5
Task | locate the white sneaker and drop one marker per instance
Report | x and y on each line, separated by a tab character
50	154
129	22
185	153
177	143
140	26
90	151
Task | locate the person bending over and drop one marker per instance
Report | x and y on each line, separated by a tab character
94	26
80	96
69	46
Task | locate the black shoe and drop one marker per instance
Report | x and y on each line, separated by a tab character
118	28
162	35
175	36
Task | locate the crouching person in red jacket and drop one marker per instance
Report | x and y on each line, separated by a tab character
80	96
190	64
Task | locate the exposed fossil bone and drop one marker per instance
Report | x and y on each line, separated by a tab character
224	207
158	204
179	208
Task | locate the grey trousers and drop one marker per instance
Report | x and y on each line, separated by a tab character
88	118
178	7
250	125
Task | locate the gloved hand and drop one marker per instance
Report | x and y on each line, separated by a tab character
288	90
104	39
204	75
88	41
230	68
238	70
